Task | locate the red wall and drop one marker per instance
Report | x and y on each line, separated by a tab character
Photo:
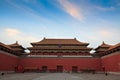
67	63
112	62
7	62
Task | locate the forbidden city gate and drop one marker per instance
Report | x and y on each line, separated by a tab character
59	68
74	69
44	68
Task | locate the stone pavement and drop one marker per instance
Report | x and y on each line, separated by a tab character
58	76
100	76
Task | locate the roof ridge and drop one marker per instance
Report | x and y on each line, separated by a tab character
14	44
116	45
5	45
105	44
59	38
59	41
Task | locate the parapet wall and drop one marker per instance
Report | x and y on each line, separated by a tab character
67	63
111	62
8	61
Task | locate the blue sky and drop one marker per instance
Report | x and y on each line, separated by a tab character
91	21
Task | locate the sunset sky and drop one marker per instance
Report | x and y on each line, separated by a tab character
92	21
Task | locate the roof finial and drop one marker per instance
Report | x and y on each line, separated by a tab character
75	38
16	42
44	38
103	42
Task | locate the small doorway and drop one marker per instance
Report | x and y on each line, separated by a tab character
44	68
74	69
59	68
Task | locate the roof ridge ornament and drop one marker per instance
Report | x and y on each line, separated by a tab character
75	38
103	42
44	38
16	42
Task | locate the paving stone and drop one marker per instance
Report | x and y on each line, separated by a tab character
58	76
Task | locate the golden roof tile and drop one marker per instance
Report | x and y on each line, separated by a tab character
60	41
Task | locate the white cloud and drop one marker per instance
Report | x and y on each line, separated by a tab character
10	35
72	9
12	32
95	36
105	33
105	8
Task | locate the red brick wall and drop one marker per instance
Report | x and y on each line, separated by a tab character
67	63
112	62
7	62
